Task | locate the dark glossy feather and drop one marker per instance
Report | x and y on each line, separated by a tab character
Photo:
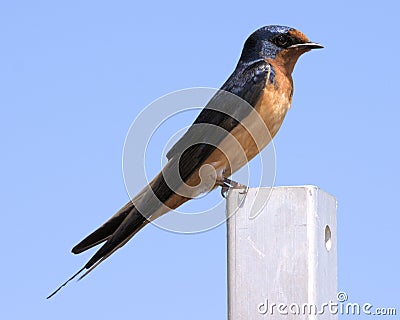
103	232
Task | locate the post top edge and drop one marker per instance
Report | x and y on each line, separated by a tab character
305	187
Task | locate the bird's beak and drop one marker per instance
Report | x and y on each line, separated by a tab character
307	45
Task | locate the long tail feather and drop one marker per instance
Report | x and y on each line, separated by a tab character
103	232
131	224
65	283
123	232
121	227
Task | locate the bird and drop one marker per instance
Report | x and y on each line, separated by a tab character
233	127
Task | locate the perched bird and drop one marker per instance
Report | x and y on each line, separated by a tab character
224	137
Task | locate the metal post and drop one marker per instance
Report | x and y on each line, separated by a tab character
282	258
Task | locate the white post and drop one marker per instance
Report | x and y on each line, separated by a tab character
282	258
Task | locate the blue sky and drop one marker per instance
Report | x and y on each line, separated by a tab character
75	74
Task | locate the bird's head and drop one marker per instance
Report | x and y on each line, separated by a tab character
283	45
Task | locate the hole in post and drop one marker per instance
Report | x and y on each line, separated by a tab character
328	238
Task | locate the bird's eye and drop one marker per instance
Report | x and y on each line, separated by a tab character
281	41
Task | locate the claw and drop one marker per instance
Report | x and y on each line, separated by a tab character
226	184
224	190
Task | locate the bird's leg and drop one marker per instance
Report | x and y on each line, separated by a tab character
224	187
224	190
235	184
226	184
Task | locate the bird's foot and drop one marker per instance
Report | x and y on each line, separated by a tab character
227	184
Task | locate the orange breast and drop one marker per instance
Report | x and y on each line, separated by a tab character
273	106
248	138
